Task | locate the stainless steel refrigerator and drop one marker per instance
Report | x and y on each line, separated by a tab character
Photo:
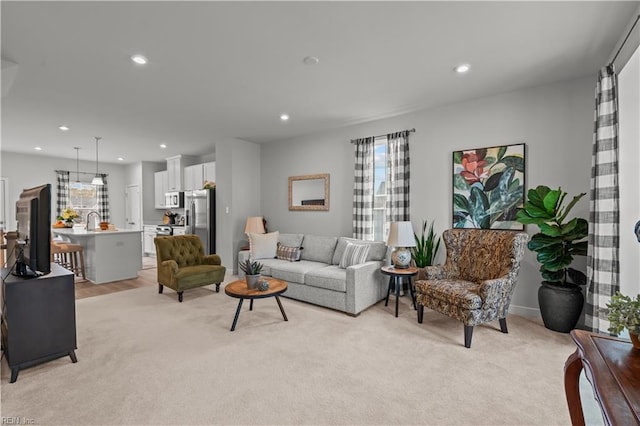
200	211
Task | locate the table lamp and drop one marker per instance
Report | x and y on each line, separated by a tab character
401	237
254	224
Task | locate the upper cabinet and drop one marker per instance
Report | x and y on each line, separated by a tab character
209	172
175	166
193	177
196	175
161	186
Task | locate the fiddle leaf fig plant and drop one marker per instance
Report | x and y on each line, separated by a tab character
559	239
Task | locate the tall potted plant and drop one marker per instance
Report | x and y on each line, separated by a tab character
426	248
559	240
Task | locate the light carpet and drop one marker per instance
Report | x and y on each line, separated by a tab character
144	358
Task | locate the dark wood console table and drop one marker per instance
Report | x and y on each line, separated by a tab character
38	318
612	367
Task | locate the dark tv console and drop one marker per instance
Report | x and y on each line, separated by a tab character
38	318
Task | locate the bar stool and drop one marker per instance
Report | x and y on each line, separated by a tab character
69	256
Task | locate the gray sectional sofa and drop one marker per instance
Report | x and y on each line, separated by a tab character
318	278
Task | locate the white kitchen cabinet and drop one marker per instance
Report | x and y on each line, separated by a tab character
149	245
175	170
209	171
174	173
161	186
193	177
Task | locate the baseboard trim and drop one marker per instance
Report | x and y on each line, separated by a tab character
524	311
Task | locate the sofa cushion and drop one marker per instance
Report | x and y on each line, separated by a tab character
354	254
291	240
377	249
263	246
318	249
268	263
292	254
293	271
330	277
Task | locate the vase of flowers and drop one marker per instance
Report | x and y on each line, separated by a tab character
68	215
624	312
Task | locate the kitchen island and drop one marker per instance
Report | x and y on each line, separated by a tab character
108	255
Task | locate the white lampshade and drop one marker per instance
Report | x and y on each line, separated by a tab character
401	235
97	180
254	224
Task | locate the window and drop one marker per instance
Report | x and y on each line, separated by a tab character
380	228
83	197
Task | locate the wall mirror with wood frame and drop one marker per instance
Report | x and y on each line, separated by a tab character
309	192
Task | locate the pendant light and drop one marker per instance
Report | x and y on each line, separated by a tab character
77	148
97	180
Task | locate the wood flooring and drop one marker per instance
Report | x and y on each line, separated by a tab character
146	278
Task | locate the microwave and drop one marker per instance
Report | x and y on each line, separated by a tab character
174	200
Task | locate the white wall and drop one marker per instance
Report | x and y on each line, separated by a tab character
237	195
29	170
629	173
555	121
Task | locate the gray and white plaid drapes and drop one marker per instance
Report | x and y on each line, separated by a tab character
397	185
102	192
62	191
604	217
363	189
64	201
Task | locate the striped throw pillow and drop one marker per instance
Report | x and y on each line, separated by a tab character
292	254
354	254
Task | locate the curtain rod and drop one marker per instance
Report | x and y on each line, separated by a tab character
625	41
379	136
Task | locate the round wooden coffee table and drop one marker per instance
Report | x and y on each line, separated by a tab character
239	290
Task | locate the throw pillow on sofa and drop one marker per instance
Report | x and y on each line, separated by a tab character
292	254
263	246
354	254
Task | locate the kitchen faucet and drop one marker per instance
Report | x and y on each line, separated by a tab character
92	212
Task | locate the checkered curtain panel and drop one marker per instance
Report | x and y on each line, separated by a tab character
363	189
602	262
103	199
62	191
397	206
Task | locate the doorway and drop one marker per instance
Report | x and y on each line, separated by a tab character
133	216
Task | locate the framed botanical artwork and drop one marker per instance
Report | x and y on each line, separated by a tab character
488	187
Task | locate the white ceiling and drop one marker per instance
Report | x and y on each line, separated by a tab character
229	69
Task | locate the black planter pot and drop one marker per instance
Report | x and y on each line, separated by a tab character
560	306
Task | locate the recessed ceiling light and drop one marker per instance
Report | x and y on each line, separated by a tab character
163	146
37	148
462	68
63	128
139	59
310	60
284	117
120	158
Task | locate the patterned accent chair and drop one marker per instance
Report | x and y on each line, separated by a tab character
477	280
182	264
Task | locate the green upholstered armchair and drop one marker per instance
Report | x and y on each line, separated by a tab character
182	264
477	280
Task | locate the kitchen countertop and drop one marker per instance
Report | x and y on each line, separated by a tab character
84	232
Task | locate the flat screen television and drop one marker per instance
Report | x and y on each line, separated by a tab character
33	246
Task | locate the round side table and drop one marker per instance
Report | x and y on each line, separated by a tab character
396	277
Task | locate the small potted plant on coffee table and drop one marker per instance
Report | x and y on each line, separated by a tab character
252	270
624	312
